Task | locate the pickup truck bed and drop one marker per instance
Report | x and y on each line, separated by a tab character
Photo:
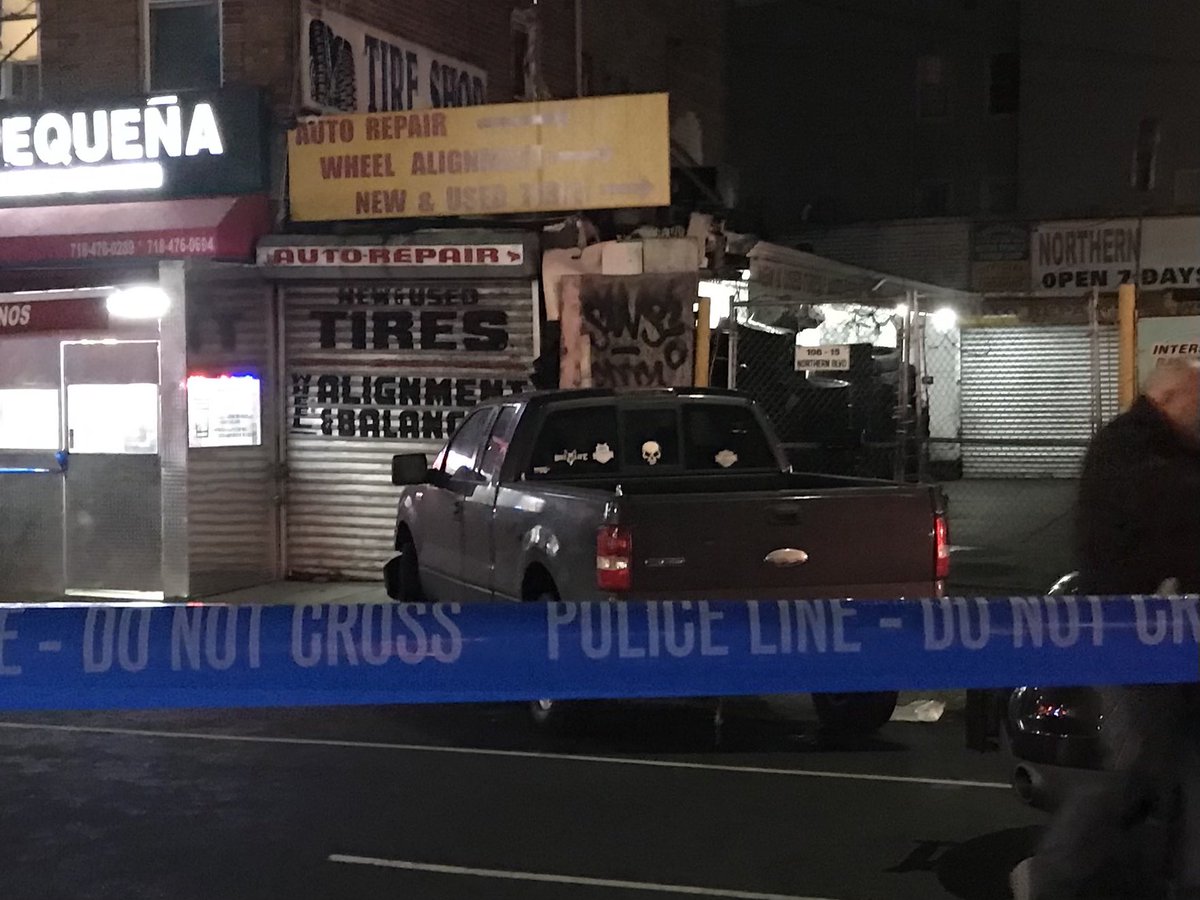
704	537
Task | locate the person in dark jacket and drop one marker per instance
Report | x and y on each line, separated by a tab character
1138	532
1139	518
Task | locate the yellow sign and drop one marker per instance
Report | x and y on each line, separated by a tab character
593	153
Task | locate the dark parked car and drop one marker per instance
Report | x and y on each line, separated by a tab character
1054	737
1052	733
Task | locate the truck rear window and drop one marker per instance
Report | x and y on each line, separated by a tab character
651	439
724	436
580	441
607	440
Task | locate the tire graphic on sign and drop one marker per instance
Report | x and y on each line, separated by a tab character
331	68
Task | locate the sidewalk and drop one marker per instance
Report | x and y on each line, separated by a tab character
274	593
299	593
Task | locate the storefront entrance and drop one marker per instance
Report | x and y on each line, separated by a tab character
79	436
135	463
112	510
385	359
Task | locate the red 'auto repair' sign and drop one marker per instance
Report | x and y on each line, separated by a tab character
32	316
424	255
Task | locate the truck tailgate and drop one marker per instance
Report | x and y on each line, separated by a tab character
876	541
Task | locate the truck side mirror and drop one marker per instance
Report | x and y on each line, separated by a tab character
409	468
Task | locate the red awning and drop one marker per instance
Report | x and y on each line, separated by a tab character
211	227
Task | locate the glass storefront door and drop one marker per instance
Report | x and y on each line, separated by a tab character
112	505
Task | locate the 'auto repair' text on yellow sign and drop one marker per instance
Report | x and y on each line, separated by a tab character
592	153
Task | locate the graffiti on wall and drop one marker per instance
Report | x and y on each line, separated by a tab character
628	330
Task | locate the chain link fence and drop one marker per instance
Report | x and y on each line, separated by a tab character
837	409
997	411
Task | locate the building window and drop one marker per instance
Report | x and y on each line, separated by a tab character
1004	84
20	74
184	44
1145	155
933	198
933	95
29	419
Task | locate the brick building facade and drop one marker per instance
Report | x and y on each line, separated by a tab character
89	48
127	48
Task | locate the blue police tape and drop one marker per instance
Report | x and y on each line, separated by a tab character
138	656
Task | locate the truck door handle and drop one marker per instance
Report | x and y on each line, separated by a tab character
784	514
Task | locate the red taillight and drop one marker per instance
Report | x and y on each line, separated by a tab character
614	558
941	532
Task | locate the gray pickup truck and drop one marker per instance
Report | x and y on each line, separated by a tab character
653	495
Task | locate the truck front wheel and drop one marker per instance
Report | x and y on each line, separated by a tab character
855	713
401	575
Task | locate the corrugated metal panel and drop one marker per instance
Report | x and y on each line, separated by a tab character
1027	386
378	369
173	431
232	521
229	327
937	251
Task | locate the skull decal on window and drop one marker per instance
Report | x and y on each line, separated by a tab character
651	452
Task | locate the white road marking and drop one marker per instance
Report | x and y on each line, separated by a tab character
509	754
577	880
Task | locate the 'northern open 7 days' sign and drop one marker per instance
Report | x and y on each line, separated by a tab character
593	153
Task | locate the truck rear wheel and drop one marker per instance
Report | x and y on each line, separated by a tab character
855	713
555	716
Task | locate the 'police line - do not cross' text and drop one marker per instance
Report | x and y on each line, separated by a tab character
139	656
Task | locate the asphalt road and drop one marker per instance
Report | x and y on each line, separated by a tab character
469	802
